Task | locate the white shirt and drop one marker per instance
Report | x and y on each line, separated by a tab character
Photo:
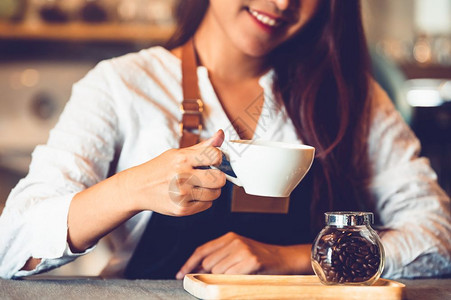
127	109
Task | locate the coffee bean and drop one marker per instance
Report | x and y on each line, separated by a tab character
350	261
351	249
358	254
373	249
364	253
353	259
364	248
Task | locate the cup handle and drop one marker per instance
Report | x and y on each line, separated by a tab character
230	178
234	180
225	168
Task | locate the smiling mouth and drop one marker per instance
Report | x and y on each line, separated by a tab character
265	19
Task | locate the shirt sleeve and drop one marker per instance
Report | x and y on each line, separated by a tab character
412	208
77	155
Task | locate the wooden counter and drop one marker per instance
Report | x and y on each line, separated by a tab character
94	288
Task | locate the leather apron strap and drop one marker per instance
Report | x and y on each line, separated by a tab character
192	105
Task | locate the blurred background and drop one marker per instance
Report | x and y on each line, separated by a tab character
47	45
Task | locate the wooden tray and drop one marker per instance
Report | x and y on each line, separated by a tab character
216	286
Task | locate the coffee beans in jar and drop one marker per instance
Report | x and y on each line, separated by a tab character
348	250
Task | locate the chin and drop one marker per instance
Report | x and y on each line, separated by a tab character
256	49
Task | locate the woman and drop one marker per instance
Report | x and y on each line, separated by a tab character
292	71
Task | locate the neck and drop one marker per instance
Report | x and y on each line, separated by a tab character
221	58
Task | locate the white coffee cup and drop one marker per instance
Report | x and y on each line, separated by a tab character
266	168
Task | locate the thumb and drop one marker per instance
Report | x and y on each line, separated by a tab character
215	141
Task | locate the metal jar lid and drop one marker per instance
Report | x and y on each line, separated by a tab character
348	218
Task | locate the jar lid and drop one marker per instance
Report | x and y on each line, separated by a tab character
349	218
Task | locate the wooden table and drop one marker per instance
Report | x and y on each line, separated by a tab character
428	289
94	288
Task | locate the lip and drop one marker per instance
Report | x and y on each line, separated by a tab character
267	28
272	16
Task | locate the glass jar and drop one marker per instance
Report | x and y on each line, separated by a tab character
347	251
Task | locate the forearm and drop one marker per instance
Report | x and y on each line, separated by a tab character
96	211
417	251
92	214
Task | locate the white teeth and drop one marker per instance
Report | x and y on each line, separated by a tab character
264	19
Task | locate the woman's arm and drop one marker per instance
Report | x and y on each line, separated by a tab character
413	210
65	203
77	155
97	210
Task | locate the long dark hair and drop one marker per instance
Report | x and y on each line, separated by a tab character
322	78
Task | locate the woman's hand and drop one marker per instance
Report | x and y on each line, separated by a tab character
172	183
235	254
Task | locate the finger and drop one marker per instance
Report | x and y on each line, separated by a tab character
226	263
181	200
205	156
206	153
218	138
200	270
242	267
198	206
214	259
192	207
189	187
215	141
180	188
187	190
200	253
205	195
209	178
182	183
